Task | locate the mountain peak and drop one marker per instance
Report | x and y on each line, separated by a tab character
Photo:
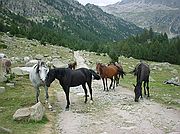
161	15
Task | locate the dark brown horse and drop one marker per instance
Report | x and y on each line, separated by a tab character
120	72
72	65
71	78
142	71
105	72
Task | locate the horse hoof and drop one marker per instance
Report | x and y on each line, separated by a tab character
67	109
136	100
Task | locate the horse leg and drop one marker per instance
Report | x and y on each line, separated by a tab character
85	91
37	94
117	80
111	83
47	97
66	90
90	89
114	82
106	84
144	85
141	91
103	83
148	87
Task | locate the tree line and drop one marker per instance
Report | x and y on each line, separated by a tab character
148	46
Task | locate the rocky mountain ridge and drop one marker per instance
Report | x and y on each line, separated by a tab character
73	18
161	15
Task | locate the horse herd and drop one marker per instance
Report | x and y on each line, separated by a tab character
41	75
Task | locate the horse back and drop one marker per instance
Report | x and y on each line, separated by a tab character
109	71
78	77
143	72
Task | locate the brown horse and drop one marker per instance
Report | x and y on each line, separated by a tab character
6	65
72	65
105	72
121	73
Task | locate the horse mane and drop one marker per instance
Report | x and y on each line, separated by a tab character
40	63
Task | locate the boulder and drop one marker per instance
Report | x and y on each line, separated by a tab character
26	59
2	90
34	113
39	57
20	71
174	81
22	114
31	63
37	112
57	63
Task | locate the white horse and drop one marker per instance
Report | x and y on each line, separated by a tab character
37	76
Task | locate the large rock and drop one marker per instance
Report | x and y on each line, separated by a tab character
39	57
34	113
174	81
22	114
20	71
57	63
31	63
2	90
37	112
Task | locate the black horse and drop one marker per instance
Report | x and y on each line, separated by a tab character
142	71
71	78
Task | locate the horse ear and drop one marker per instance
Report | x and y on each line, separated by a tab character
37	69
134	85
42	63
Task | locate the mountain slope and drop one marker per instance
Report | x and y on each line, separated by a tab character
73	20
161	15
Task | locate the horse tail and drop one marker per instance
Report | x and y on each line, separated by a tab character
122	73
96	76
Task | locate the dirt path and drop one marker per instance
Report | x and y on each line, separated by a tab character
113	112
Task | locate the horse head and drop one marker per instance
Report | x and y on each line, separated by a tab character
50	77
137	91
98	65
42	70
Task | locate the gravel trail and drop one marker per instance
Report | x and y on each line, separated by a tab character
113	112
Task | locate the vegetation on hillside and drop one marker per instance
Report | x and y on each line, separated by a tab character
147	46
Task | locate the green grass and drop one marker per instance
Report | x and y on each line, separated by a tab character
20	96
